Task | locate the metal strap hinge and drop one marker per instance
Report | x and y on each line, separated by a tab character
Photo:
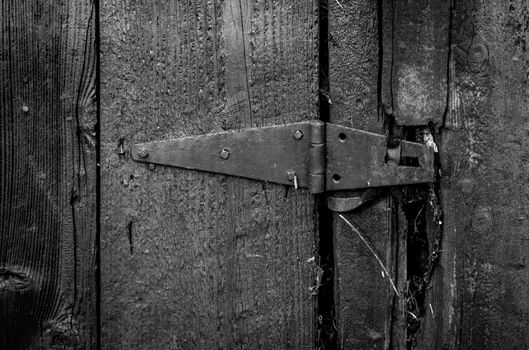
315	155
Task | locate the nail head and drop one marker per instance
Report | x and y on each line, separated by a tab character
298	135
224	153
143	153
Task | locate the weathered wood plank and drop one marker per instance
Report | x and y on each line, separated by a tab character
365	303
190	259
415	60
477	292
405	82
414	90
48	175
483	155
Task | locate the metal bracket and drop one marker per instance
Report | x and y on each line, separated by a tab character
315	155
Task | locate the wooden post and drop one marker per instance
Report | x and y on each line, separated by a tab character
48	175
191	259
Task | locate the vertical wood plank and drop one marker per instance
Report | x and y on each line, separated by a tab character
405	80
190	259
415	37
364	299
484	158
415	45
48	175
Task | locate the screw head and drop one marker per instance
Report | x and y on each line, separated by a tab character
152	166
298	135
224	153
143	153
291	175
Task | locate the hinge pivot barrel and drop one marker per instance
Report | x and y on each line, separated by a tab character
317	157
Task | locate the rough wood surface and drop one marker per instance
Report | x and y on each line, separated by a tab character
190	259
415	39
484	156
478	293
365	304
47	175
415	60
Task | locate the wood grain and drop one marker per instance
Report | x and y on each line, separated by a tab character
414	39
477	294
415	46
48	175
190	259
484	156
367	311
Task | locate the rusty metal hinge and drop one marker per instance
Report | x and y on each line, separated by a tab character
315	155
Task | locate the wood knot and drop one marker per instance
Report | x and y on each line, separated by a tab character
477	55
13	281
482	220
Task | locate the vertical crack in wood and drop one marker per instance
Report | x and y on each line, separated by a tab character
385	115
323	61
129	234
326	324
97	130
380	36
450	72
415	39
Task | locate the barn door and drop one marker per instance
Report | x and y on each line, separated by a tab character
197	260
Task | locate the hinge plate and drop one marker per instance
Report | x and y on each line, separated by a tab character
289	155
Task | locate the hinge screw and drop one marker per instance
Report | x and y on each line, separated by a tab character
143	153
298	135
291	175
224	154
